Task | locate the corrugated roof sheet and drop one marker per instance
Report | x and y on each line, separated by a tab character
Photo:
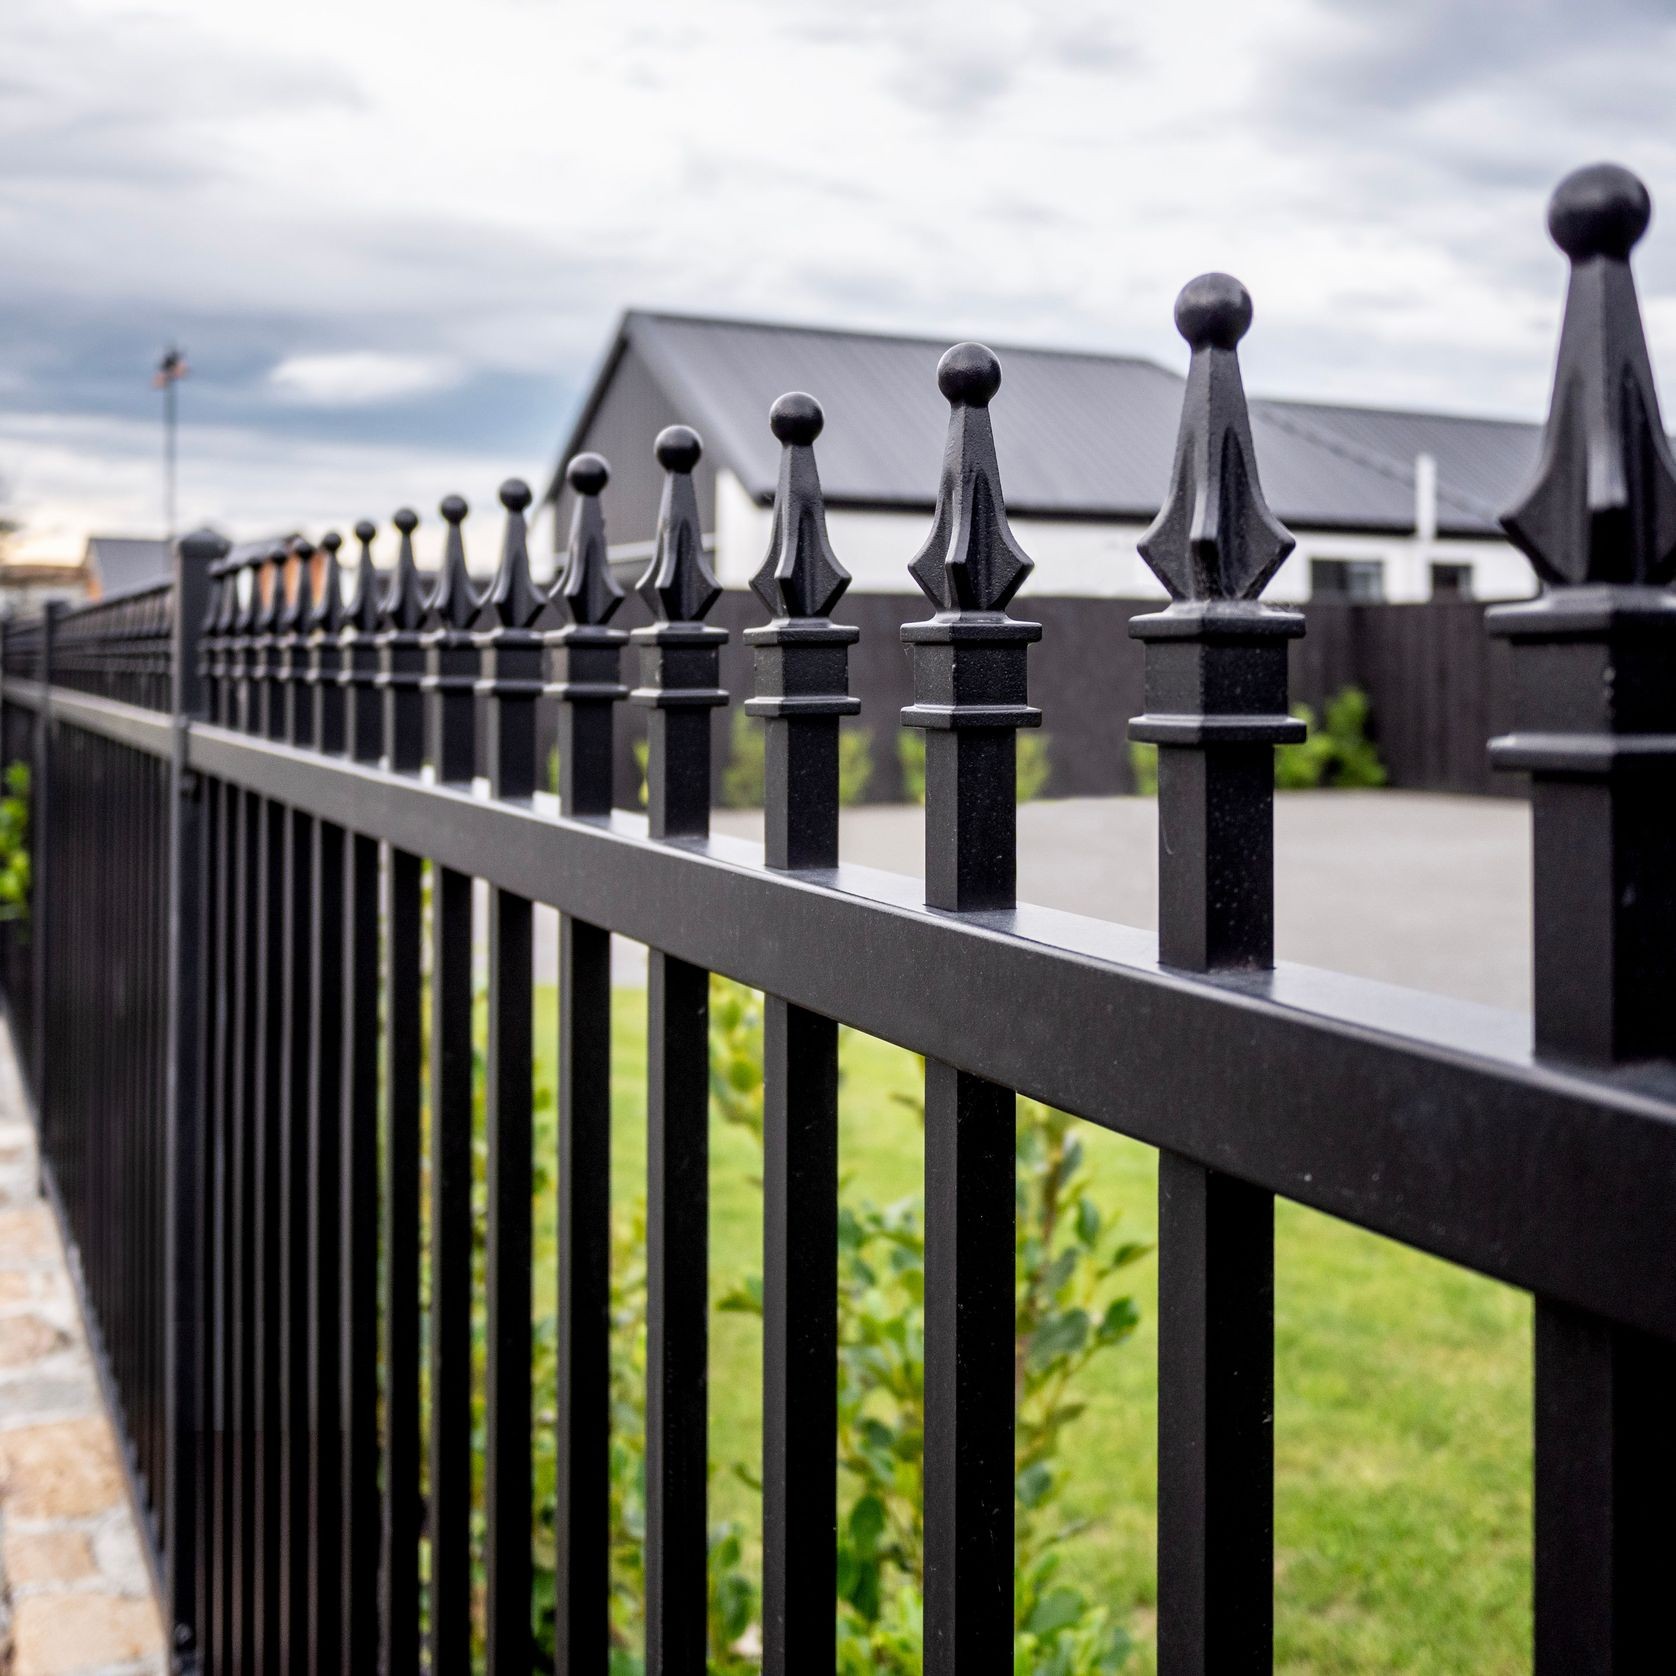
126	562
1078	434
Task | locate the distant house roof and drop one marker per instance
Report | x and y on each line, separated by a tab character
121	563
1079	434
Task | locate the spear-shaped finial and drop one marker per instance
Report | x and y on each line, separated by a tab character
363	614
513	600
453	603
801	576
970	560
679	585
1214	537
403	605
328	614
586	589
1602	506
273	603
299	559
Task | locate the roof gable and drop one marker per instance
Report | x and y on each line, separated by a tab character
1078	434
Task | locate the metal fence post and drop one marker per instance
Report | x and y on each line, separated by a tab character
970	692
1216	708
194	554
40	797
1595	726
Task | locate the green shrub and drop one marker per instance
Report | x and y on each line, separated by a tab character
1338	753
1031	773
855	762
14	844
744	776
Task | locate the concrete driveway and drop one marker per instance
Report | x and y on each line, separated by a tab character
1428	891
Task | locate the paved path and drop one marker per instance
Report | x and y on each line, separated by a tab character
75	1595
1428	891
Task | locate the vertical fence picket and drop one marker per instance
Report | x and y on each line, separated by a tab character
325	1132
1595	727
189	825
269	1019
969	662
801	689
1216	666
358	996
295	1005
452	665
512	658
587	684
402	657
679	658
238	1650
206	1217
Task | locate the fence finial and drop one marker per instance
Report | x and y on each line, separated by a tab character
328	614
970	560
801	576
513	600
586	588
300	552
403	605
679	585
1215	537
362	616
454	602
1602	505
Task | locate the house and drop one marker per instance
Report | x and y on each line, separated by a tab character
118	564
1385	505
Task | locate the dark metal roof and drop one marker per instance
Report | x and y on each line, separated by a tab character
123	563
1079	435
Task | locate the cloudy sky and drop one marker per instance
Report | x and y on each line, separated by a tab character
393	238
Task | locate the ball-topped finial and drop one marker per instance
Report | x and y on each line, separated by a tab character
453	509
796	418
588	474
678	448
406	520
515	494
365	529
302	548
1213	311
1601	210
331	541
969	374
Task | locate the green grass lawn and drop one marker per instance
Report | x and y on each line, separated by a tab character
1402	1430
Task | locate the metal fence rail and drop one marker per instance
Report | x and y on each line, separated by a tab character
235	827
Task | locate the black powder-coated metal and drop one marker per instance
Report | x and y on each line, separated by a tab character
513	653
447	686
359	1205
294	1005
1216	707
401	662
324	707
801	690
247	1270
969	696
678	685
587	686
1595	726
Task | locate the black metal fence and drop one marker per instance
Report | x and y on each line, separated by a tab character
244	782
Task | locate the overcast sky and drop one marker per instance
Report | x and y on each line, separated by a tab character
393	238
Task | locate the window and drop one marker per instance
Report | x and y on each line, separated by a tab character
1353	579
1451	581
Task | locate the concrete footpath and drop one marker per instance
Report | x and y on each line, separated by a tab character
75	1593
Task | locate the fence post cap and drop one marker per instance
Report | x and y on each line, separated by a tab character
1601	209
801	575
205	546
1213	311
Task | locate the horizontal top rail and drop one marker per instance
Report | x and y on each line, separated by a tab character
1393	1109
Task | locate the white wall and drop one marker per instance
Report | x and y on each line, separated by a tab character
1080	558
